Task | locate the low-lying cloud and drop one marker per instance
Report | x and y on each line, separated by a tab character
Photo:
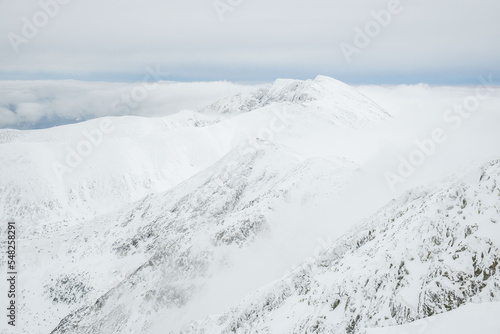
40	104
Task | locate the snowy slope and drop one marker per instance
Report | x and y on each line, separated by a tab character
187	233
470	318
137	157
426	253
140	156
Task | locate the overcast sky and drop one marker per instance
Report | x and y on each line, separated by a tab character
443	42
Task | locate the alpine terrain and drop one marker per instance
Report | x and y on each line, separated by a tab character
204	221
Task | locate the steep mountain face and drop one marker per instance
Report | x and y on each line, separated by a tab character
332	100
431	251
188	232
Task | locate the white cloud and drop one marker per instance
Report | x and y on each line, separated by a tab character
7	117
31	112
28	104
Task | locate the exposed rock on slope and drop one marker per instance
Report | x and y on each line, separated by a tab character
188	231
429	252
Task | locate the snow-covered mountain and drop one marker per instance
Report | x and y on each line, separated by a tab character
168	222
161	205
183	235
431	251
326	98
55	177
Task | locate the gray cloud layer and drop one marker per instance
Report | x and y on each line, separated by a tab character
257	40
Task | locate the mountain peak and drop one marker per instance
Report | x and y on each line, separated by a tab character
339	102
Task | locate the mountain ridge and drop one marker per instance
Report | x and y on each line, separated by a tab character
380	274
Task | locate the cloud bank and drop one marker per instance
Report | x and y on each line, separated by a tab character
41	104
